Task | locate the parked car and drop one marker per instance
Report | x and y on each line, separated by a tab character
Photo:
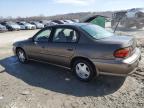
87	49
63	21
26	25
135	12
75	20
11	26
45	22
58	21
22	27
55	22
51	23
3	28
38	25
131	18
69	21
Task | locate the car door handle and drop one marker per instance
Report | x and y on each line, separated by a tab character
70	49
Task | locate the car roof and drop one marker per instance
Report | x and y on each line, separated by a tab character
70	25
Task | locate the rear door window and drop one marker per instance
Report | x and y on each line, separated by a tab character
65	35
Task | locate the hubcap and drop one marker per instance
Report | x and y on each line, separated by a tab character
82	70
21	56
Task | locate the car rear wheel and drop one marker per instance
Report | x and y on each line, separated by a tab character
84	70
21	56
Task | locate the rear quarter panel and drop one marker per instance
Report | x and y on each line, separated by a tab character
91	49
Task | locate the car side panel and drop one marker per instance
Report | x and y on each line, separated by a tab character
59	53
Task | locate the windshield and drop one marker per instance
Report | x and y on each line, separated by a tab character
96	32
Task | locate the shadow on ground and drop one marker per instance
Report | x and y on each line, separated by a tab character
60	80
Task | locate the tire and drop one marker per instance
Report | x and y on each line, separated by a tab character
21	55
10	29
84	70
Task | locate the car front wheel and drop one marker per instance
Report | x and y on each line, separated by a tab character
21	56
84	70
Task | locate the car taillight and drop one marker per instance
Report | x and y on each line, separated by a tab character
122	53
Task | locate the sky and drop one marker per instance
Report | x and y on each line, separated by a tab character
24	8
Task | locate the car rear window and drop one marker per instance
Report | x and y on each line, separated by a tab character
96	32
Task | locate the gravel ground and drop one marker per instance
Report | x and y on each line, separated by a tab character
37	85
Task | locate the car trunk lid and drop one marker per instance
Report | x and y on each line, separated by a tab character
121	42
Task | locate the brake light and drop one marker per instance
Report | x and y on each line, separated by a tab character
122	53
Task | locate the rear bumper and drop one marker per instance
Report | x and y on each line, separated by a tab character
118	67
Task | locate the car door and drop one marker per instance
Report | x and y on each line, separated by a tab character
63	45
39	45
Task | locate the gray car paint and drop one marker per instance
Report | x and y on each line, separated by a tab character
99	52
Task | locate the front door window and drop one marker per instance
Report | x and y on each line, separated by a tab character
43	36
